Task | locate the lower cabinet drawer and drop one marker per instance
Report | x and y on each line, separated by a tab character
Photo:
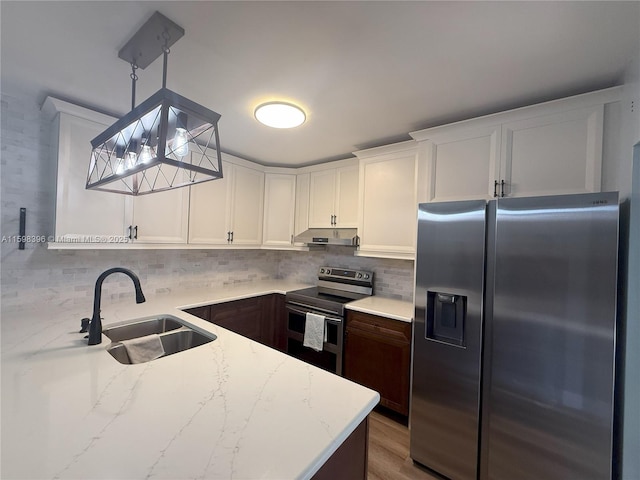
386	327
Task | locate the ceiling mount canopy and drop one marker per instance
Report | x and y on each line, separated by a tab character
168	141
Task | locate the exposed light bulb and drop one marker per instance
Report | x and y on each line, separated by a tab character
146	152
180	145
131	160
120	163
131	157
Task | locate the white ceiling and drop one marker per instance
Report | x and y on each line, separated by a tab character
367	73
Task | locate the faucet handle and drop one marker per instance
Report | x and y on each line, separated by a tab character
84	325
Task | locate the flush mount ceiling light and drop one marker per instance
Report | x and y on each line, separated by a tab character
168	141
280	115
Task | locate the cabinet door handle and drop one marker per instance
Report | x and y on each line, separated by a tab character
231	237
502	188
133	232
495	188
228	236
291	239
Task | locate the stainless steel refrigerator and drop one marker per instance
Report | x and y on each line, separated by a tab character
515	338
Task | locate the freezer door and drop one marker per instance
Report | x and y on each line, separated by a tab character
447	337
549	407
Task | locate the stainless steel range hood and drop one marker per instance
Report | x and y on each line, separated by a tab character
329	236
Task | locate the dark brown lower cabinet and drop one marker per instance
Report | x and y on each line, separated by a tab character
200	312
246	317
279	315
377	354
258	318
349	462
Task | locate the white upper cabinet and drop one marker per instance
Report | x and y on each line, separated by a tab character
247	206
347	197
161	217
82	215
209	210
553	154
90	216
302	203
322	198
228	211
388	201
547	149
287	202
220	212
333	197
463	163
279	209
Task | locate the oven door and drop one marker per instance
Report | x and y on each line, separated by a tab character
330	358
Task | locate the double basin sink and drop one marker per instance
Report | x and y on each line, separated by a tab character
174	334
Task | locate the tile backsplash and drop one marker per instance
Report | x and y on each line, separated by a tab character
37	274
392	278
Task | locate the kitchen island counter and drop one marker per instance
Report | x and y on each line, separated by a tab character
232	408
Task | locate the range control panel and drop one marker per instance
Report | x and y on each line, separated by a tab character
337	274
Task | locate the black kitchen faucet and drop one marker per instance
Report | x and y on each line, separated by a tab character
95	328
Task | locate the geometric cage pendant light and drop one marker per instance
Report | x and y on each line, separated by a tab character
166	142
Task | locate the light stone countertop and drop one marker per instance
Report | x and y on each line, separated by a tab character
384	307
232	408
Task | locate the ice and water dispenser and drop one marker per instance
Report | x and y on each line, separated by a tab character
446	317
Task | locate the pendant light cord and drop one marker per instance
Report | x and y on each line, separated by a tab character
134	78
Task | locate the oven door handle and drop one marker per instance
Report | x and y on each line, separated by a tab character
304	312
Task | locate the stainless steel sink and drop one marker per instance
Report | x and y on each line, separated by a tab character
174	335
142	327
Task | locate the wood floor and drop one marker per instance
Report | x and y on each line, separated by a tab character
389	451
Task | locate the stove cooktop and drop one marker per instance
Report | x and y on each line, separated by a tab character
313	298
336	287
328	295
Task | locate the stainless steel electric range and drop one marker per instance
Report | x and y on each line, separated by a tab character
336	287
